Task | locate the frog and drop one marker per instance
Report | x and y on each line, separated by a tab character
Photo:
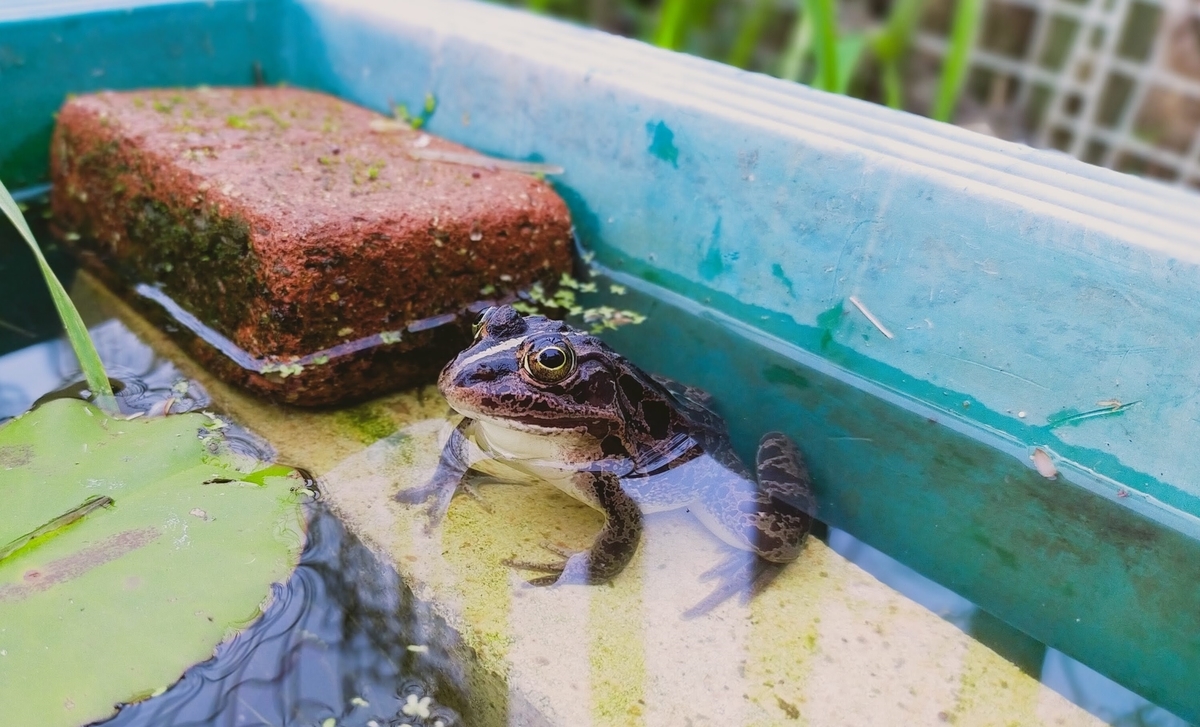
554	403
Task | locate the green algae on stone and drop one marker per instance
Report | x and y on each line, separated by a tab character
136	548
368	423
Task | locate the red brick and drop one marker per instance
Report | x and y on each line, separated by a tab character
281	220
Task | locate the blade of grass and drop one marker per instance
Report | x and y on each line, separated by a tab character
825	36
791	63
747	38
892	43
849	51
893	40
77	333
672	24
963	32
893	86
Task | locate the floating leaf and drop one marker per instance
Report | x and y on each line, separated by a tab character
128	550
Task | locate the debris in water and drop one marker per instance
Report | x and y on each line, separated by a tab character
414	707
1043	464
1073	417
418	648
870	317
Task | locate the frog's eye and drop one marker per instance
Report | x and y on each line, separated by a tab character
550	363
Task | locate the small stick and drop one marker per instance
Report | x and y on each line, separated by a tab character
871	317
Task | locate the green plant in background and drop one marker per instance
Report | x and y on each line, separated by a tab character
77	333
816	51
890	46
962	39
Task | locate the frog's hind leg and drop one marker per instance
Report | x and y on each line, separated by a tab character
766	520
742	573
790	504
613	547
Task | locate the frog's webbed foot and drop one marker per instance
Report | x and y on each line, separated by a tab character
612	549
742	573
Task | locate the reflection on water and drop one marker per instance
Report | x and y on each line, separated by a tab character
1094	692
342	638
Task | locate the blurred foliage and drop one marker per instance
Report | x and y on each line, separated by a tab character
854	47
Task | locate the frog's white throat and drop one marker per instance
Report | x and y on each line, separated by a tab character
521	442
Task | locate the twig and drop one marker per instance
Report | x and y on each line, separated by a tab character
870	317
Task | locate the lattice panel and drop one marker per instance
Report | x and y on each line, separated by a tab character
1112	82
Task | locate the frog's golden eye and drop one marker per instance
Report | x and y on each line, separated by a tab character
550	363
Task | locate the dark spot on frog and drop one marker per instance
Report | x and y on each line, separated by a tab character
611	446
658	417
631	388
662	143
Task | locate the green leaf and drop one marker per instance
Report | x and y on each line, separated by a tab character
128	550
849	50
963	32
825	39
81	343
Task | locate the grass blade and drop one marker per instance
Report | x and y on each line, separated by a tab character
893	41
672	22
791	65
967	15
749	33
825	37
891	44
849	51
77	333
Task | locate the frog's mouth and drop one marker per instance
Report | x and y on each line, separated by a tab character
525	422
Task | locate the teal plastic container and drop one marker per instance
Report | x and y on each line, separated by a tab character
1019	422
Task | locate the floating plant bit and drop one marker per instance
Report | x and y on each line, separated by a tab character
1043	464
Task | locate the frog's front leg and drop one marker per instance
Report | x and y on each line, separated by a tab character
613	547
441	487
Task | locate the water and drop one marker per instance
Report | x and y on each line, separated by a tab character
336	641
342	639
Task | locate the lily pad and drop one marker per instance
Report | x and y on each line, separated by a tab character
128	550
